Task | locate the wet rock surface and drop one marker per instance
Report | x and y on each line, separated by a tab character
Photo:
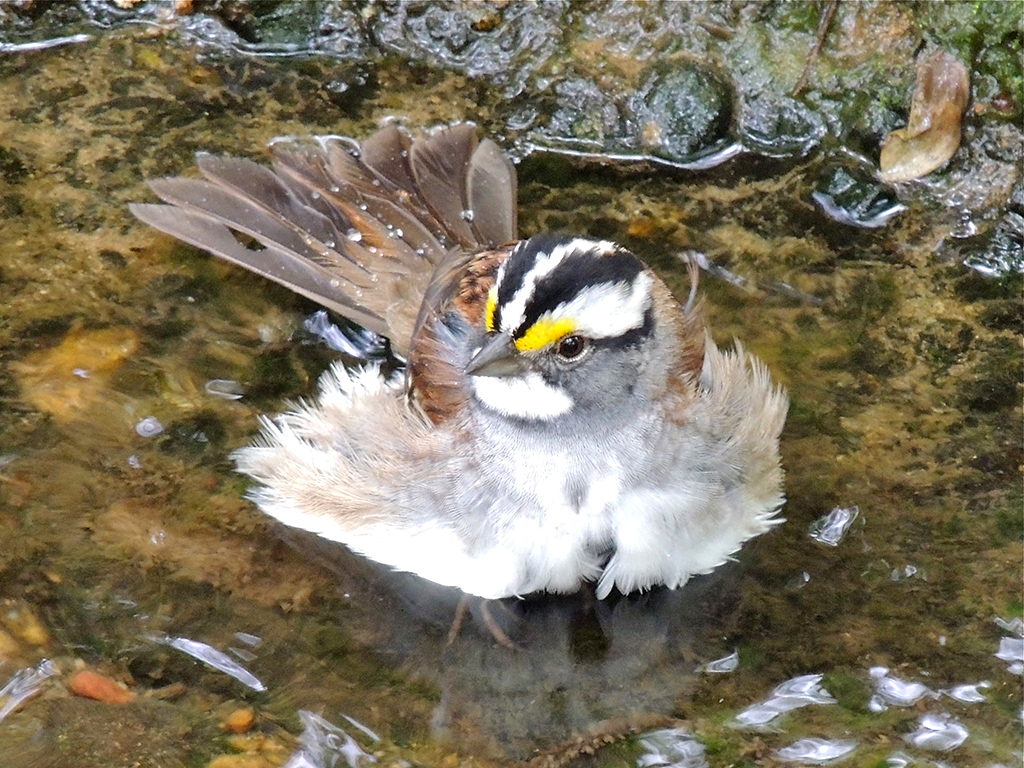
891	312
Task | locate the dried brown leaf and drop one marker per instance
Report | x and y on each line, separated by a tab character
932	134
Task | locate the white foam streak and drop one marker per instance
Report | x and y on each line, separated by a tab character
833	527
24	684
891	691
725	664
216	659
816	751
940	732
1011	649
323	745
673	748
969	694
793	694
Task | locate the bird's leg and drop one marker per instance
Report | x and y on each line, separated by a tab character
460	618
588	591
495	629
485	615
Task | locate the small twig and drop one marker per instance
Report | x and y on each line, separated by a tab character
812	57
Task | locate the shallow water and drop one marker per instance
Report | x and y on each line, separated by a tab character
125	538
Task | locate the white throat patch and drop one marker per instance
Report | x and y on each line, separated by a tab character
523	397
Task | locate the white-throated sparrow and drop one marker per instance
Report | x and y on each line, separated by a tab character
561	417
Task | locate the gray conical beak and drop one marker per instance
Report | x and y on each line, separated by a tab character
498	357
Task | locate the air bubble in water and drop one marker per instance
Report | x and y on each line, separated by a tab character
149	427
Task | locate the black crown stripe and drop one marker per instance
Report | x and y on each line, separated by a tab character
520	263
578	271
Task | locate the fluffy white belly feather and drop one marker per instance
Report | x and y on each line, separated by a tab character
359	467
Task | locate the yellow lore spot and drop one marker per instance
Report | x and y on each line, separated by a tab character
544	332
492	307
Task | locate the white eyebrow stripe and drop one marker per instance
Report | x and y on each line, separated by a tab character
607	310
524	397
514	310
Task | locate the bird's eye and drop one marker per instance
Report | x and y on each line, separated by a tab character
571	347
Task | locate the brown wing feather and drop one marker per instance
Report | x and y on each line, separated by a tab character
439	165
362	230
491	187
689	333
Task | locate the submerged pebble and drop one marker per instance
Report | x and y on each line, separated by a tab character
93	685
246	760
22	622
9	647
239	721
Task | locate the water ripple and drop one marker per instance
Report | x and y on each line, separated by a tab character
673	748
816	751
149	427
831	528
940	732
1011	649
349	340
214	658
725	664
42	45
969	694
24	684
793	694
323	744
891	691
